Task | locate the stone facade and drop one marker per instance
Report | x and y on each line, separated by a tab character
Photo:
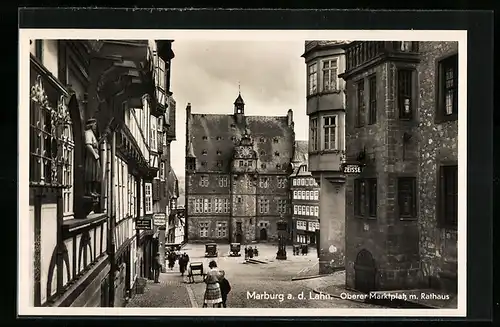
438	144
326	110
392	239
237	169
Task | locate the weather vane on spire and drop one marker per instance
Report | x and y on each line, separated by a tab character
239	87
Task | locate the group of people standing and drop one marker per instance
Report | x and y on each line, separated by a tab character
251	252
172	257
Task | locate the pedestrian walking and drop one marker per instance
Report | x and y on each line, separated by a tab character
246	252
250	252
213	294
157	267
225	288
171	260
182	265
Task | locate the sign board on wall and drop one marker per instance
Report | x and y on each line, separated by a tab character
352	168
143	224
159	219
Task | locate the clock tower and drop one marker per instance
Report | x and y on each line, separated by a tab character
243	183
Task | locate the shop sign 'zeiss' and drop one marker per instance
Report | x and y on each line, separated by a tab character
352	168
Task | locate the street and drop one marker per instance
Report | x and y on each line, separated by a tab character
260	285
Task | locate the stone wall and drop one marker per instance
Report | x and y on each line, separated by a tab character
332	226
438	143
391	240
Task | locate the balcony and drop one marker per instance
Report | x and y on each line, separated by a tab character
361	55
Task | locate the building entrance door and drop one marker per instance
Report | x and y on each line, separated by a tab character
364	272
263	234
239	238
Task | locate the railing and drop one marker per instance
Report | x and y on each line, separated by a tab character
362	52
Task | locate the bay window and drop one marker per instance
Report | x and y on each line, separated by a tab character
160	79
330	75
330	133
51	144
312	79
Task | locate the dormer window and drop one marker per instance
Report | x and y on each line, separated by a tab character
204	138
219	153
275	140
204	152
219	138
262	140
277	154
262	153
278	166
219	163
233	126
263	166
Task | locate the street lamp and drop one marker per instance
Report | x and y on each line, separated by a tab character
282	227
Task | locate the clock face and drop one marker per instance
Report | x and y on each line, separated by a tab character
245	152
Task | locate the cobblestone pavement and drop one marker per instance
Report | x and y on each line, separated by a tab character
170	292
264	285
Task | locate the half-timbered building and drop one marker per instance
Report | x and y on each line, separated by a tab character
91	167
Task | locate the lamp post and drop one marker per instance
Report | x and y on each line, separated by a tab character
282	226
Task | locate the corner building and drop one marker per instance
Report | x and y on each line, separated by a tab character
237	170
326	110
401	211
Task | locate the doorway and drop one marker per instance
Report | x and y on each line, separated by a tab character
263	234
239	238
364	272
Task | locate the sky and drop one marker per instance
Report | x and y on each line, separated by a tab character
207	74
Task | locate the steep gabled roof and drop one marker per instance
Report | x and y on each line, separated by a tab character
214	137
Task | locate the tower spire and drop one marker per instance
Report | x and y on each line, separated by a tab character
239	88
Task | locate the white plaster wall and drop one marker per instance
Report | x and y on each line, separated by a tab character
49	58
30	257
48	244
69	246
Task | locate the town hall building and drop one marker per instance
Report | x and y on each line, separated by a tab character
237	170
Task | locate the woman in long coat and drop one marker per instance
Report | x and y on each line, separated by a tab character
213	294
